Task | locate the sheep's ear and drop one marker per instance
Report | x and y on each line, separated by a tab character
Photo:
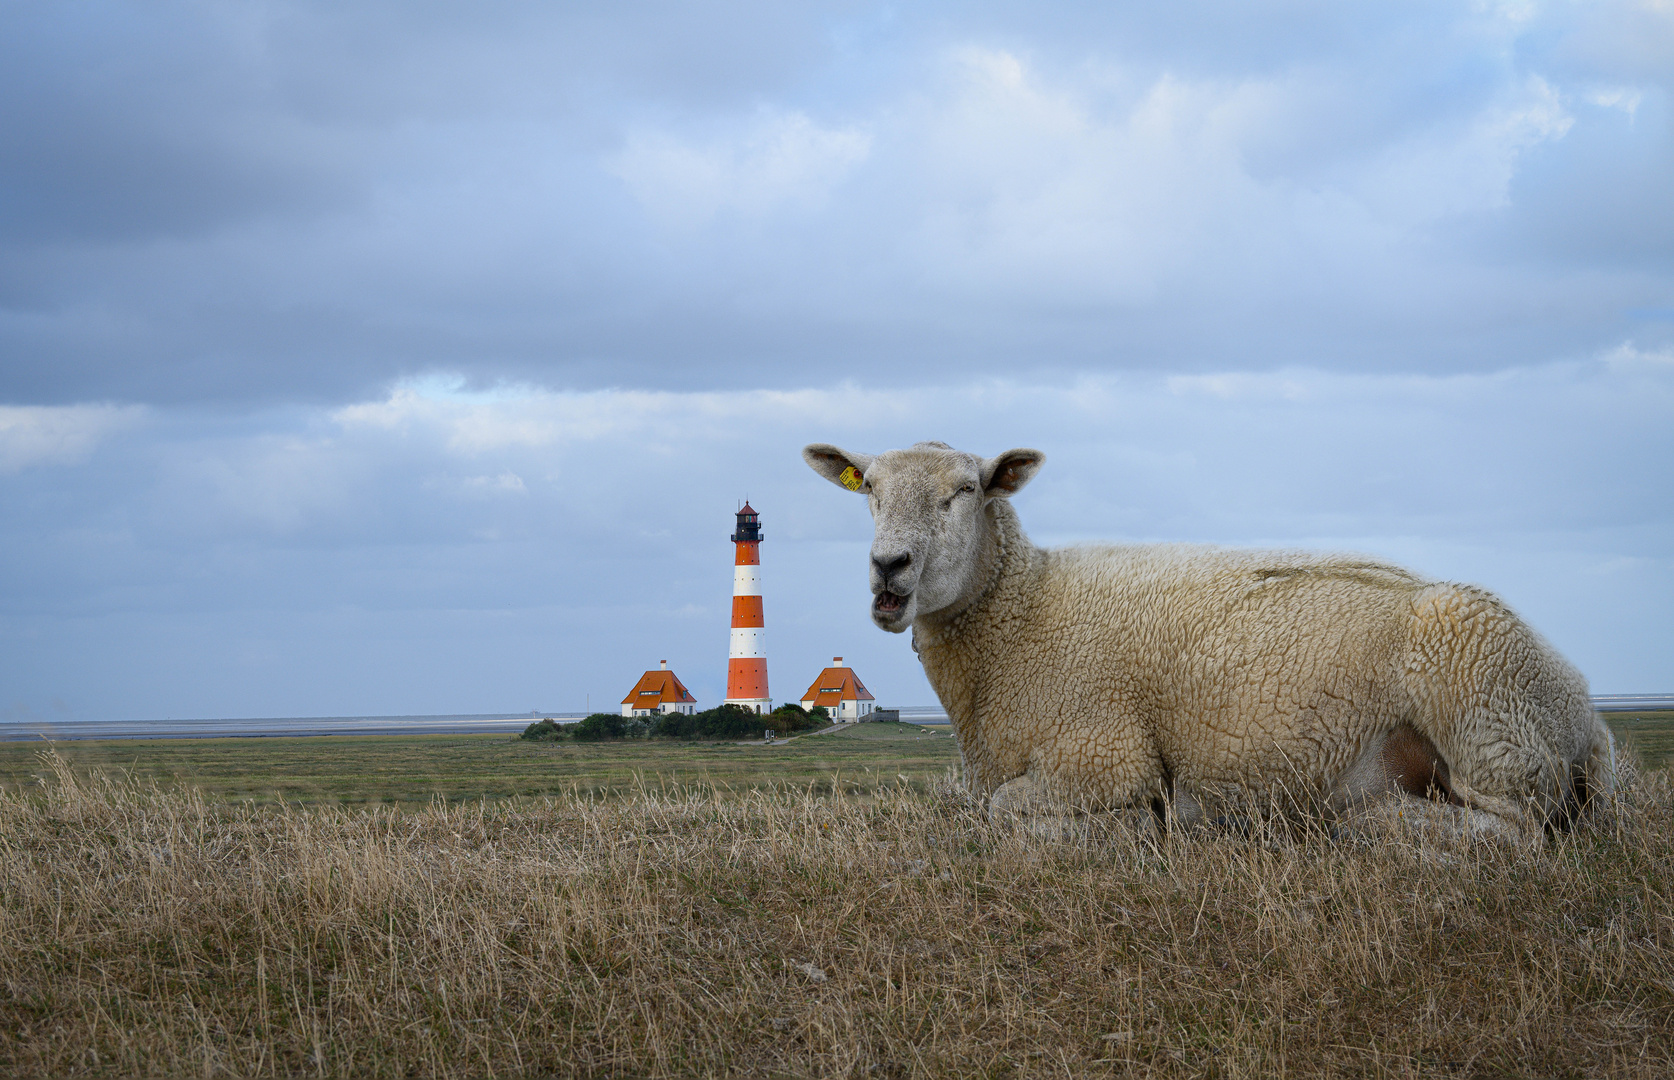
1008	472
842	468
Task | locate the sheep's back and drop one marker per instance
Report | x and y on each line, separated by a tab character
1241	663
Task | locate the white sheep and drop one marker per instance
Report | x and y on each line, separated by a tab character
1177	677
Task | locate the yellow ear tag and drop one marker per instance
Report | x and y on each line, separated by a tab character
850	479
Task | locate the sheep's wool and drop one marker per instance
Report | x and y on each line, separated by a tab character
1181	677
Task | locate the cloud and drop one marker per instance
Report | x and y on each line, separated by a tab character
1629	357
393	555
304	204
1447	173
781	159
1616	97
1178	440
32	435
1052	186
505	482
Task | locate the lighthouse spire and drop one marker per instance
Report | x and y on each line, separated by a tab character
747	658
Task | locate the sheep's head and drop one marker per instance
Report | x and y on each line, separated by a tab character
928	505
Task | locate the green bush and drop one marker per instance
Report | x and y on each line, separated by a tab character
791	717
721	722
601	725
732	722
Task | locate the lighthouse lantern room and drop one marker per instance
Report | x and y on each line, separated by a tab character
747	657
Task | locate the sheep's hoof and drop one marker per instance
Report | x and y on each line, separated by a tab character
1232	825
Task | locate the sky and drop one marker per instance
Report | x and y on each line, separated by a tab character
413	358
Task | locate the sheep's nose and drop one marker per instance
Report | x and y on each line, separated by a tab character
889	565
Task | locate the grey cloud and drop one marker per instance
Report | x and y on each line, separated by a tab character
305	203
1599	199
126	125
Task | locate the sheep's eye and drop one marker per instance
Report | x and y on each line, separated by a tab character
947	503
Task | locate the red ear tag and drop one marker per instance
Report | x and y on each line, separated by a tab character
850	479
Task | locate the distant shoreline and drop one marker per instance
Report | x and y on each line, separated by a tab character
274	727
458	723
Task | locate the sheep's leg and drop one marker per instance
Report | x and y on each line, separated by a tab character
1508	714
1402	779
1396	763
1183	809
1402	816
1107	767
1032	803
1022	795
1025	801
1397	811
1596	774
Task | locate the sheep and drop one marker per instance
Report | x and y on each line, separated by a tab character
1169	679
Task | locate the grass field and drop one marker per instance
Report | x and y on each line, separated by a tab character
772	933
408	770
1649	734
774	921
411	770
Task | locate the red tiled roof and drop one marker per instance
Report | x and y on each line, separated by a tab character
837	684
656	688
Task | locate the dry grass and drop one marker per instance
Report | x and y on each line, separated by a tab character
147	932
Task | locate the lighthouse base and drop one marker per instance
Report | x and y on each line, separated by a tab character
761	705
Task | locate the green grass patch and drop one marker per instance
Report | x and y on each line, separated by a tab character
408	770
1648	734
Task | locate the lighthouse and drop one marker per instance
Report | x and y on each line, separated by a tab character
747	659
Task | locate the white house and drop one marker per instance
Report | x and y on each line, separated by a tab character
840	690
658	691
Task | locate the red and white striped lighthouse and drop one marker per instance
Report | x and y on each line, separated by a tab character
747	659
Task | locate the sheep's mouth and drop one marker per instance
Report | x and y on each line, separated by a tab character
888	603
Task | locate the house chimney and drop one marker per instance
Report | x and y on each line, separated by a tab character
664	663
836	659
